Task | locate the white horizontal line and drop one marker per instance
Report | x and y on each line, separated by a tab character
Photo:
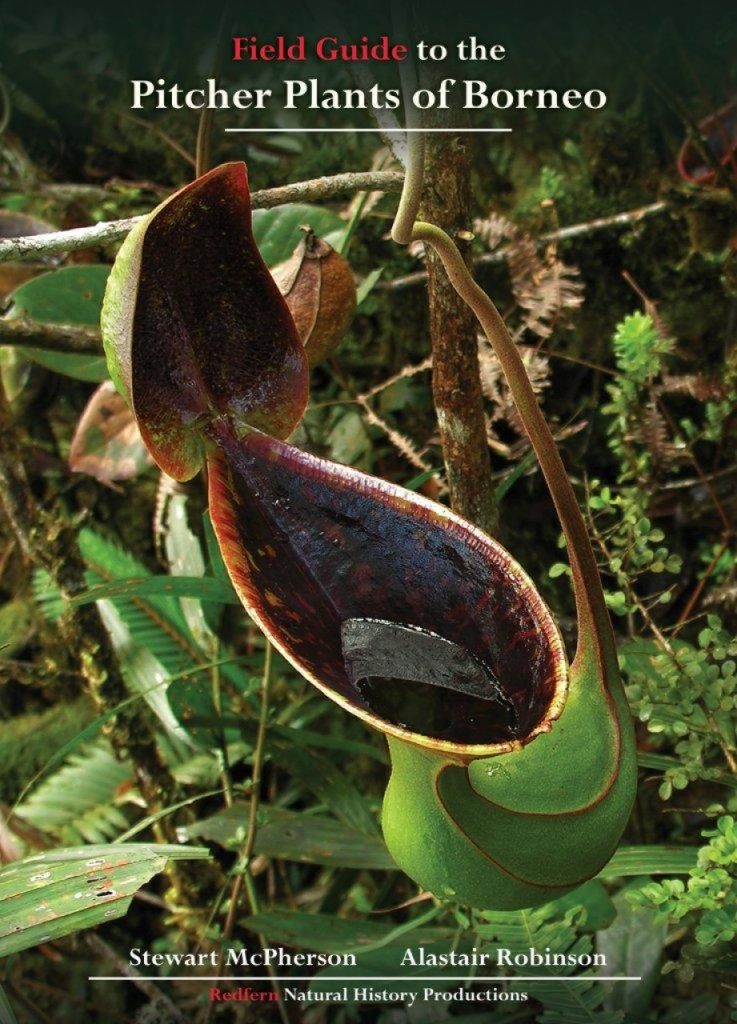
383	131
368	977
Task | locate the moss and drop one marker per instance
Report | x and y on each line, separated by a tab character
28	741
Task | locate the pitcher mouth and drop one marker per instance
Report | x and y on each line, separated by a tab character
394	607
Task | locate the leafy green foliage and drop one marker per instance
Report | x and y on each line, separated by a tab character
336	935
632	546
710	894
683	688
291	835
687	694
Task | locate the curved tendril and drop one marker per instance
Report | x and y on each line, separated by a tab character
409	201
594	626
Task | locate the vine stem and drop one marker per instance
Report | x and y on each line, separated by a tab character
411	197
594	626
203	141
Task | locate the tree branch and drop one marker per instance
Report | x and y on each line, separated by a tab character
316	190
55	337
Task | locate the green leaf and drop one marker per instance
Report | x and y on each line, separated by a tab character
312	839
595	900
663	763
191	701
143	672
201	588
327	781
417	481
291	835
574	1002
327	934
186	560
367	285
349	441
214	554
193	706
632	945
155	620
7	1016
76	804
650	860
70	295
511	478
699	1010
277	231
297	735
53	894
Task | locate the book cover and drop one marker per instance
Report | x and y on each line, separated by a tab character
368	573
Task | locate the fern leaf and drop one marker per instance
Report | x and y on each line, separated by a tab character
77	804
155	622
545	931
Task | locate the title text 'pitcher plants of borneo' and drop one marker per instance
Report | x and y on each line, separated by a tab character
512	773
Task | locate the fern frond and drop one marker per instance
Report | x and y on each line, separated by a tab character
549	294
544	287
494	385
155	622
494	229
404	446
545	931
77	804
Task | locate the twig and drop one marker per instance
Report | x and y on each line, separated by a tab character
59	338
693	600
400	442
73	192
625	219
149	989
616	220
403	374
313	191
34	1012
244	861
6	107
244	878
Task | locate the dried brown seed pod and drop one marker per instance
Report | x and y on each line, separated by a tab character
320	290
